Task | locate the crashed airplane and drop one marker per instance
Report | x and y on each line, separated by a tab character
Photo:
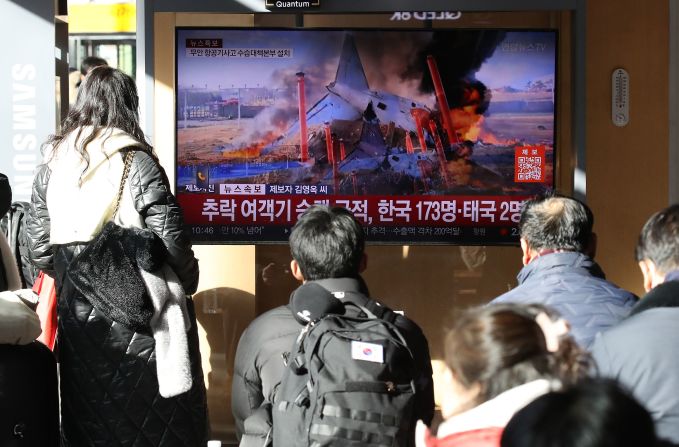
356	131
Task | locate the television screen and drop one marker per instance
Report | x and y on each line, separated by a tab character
427	136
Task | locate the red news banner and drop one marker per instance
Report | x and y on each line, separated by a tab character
275	209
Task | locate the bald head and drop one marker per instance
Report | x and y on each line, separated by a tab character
557	223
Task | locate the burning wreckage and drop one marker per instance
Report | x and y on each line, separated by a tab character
360	141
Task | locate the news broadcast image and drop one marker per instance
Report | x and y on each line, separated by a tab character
426	136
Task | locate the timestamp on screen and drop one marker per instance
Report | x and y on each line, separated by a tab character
200	230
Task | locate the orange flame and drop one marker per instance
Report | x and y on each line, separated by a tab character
468	123
490	138
252	151
464	120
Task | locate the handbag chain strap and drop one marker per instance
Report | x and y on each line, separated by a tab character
127	162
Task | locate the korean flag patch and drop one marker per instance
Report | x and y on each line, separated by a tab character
370	352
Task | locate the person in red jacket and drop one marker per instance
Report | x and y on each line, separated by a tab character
499	358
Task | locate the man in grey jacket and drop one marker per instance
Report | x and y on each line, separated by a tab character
642	352
559	271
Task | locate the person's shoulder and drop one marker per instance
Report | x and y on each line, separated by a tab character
607	289
638	350
275	322
277	313
280	312
618	347
147	176
410	329
144	161
399	319
522	293
145	167
631	330
604	282
407	324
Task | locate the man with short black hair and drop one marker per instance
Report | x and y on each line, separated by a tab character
558	247
641	352
327	243
327	247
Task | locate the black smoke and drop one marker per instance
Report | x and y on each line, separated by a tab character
459	54
387	56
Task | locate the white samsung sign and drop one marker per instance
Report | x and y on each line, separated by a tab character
25	157
27	86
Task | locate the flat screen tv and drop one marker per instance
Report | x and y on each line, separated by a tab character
427	136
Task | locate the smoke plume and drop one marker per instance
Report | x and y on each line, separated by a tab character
318	72
387	56
459	54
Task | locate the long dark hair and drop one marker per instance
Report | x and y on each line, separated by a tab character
502	346
107	99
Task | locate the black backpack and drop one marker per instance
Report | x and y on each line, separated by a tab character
14	226
349	382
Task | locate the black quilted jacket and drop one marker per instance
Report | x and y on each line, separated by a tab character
108	381
153	200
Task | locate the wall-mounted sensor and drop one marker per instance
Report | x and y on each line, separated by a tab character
620	99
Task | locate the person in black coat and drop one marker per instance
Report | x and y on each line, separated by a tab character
641	352
327	247
109	381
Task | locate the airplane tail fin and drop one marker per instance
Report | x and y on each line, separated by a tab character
350	70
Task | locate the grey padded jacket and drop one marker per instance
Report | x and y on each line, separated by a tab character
575	286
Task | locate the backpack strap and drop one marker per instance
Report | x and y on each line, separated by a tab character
382	312
395	318
368	313
375	311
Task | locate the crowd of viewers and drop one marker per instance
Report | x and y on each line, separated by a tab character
564	359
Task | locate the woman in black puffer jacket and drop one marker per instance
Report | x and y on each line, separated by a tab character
108	376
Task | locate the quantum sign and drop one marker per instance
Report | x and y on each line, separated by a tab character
295	4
